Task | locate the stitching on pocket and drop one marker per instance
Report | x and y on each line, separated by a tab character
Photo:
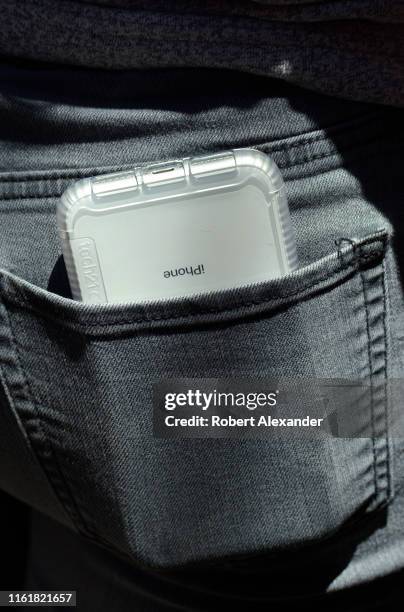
43	447
17	297
35	432
45	452
370	366
374	293
390	491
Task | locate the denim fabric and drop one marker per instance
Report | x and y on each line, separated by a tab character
166	524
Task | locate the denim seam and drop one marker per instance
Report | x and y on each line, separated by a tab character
386	405
372	417
40	442
287	166
30	197
57	478
333	151
51	468
315	140
83	521
320	137
351	267
378	374
383	452
301	141
38	400
92	171
267	146
261	145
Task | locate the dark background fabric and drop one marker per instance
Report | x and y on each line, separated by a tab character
347	49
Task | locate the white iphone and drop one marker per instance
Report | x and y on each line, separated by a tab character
177	228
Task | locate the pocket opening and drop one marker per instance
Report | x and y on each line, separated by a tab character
225	305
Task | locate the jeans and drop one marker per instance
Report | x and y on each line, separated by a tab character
135	522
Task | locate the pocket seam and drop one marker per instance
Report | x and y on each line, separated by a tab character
376	330
33	422
339	275
279	145
42	445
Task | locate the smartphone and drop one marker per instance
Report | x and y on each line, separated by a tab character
177	228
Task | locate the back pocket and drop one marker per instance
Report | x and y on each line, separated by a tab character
82	381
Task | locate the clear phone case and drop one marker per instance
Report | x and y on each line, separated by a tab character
140	235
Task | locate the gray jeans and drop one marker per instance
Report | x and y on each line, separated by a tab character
134	522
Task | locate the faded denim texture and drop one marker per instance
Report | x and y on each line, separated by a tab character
167	524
